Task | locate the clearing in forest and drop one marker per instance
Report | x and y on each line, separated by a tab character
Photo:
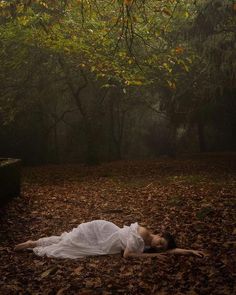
192	198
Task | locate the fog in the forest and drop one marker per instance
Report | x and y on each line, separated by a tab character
67	96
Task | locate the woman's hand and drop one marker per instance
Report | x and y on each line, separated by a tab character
198	253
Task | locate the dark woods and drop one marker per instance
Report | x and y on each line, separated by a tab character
144	92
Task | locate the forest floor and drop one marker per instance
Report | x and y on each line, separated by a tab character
192	198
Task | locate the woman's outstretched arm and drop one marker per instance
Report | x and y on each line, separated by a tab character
180	251
162	256
127	253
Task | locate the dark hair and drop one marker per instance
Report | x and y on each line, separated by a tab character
152	250
171	244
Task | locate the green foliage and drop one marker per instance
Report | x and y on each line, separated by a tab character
117	41
182	50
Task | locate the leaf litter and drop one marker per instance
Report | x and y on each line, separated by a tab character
192	198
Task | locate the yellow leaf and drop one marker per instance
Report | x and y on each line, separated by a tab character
20	8
184	65
44	4
49	271
186	14
166	66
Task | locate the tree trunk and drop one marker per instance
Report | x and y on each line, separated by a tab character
91	152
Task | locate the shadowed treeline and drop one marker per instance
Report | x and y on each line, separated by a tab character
92	82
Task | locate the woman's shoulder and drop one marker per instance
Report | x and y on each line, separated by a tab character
143	232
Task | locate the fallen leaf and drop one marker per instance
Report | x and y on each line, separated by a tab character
79	270
62	291
49	271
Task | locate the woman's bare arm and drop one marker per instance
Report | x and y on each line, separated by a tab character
127	254
180	251
162	256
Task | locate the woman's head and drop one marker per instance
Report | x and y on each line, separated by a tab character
171	244
163	241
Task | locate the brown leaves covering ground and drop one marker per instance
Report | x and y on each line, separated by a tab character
192	198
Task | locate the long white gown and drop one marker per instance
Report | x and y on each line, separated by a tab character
98	237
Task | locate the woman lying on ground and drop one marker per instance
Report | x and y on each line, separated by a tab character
100	237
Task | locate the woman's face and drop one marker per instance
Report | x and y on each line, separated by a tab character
159	242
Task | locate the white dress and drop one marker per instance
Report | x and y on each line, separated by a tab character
98	237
